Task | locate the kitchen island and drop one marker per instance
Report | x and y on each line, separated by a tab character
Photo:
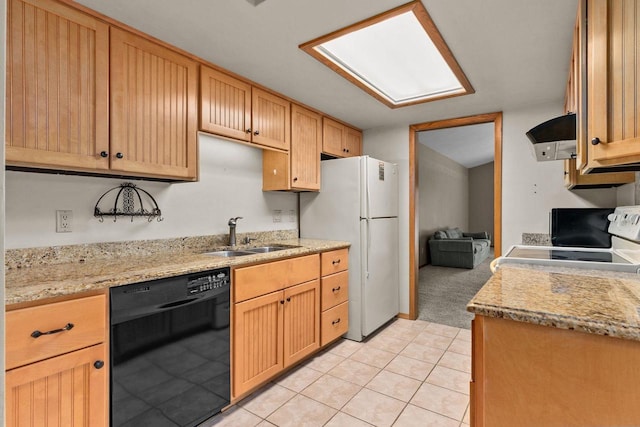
556	347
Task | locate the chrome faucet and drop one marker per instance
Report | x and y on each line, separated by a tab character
232	230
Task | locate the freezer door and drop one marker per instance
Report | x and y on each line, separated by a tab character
380	192
380	274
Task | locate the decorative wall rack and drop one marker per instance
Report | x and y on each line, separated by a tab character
129	201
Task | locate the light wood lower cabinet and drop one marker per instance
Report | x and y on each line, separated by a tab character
335	295
282	313
67	390
530	375
57	364
278	321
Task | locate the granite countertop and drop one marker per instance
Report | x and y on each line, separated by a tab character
597	302
46	281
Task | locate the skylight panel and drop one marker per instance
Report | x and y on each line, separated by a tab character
394	57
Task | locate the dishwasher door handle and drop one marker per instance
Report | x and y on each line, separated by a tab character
177	303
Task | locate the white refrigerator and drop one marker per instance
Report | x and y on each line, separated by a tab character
358	202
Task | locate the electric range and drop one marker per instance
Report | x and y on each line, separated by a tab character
623	256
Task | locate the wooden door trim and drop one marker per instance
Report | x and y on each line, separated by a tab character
496	119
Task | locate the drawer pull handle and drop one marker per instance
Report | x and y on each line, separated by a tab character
336	321
98	364
335	289
67	327
336	261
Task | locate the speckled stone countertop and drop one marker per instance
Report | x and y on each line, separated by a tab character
598	302
54	280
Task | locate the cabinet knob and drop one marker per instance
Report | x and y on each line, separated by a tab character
281	301
248	130
98	364
344	150
347	150
289	299
104	154
595	141
295	179
256	132
119	155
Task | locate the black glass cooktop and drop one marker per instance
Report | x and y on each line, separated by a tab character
566	255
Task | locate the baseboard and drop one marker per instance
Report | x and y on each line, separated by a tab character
404	316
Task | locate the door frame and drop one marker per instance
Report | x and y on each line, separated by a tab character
414	241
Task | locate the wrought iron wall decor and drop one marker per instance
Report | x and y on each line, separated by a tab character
129	201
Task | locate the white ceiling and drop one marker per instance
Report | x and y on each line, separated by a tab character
469	146
514	52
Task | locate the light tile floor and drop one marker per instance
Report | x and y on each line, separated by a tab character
411	373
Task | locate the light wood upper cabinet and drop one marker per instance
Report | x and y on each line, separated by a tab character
353	142
153	108
339	140
270	120
575	180
613	84
300	168
57	70
233	108
225	105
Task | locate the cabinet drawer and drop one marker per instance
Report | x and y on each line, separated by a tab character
251	282
87	315
335	261
334	323
335	289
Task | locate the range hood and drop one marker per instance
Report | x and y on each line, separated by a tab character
555	139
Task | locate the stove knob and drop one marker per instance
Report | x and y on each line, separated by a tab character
612	217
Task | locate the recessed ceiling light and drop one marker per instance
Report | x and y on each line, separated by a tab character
399	57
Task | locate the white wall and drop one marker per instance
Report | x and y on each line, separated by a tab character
444	195
530	189
230	185
392	145
481	199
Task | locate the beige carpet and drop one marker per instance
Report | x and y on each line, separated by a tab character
443	293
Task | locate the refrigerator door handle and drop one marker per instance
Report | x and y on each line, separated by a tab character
368	248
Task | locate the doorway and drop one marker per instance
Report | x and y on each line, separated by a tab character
414	241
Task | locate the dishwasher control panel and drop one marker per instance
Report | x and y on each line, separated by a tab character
208	281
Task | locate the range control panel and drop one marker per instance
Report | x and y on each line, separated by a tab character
625	222
208	281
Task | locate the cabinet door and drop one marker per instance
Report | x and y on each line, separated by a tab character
306	145
57	70
353	142
301	321
153	109
225	105
257	341
333	135
63	391
271	120
613	83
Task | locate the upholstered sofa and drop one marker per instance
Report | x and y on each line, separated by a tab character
453	248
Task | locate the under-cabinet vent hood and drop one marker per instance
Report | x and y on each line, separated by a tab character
555	139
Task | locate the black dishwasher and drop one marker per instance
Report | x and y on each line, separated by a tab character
170	350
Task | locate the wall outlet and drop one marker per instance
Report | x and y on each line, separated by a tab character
64	221
277	215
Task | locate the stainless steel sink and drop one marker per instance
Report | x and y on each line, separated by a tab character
263	249
229	254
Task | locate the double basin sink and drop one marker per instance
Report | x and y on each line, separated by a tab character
249	251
